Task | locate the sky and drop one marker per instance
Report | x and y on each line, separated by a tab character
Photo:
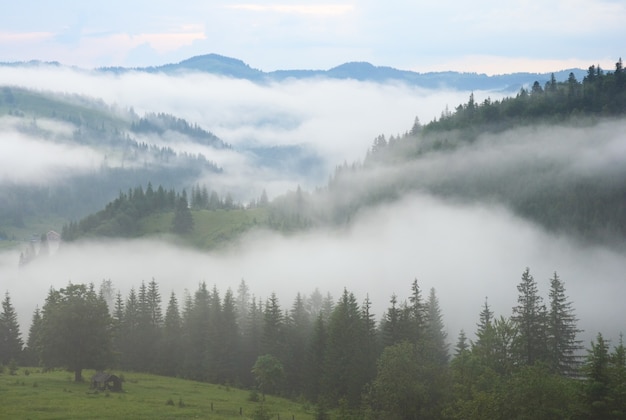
486	36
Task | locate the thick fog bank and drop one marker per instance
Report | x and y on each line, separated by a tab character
337	118
465	252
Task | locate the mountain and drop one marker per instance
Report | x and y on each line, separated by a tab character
362	71
95	151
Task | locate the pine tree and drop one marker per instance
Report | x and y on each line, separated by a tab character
273	328
461	368
128	338
33	344
75	330
344	376
183	219
243	304
170	348
417	312
435	344
597	386
251	341
563	347
390	324
314	361
484	346
529	317
10	337
371	346
298	332
196	334
229	340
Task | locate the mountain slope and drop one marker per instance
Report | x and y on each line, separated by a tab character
363	71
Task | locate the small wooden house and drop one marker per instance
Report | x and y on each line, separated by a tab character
106	382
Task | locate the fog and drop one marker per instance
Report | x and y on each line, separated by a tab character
28	159
336	119
466	251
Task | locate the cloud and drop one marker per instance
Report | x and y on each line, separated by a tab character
321	10
308	34
27	159
24	37
337	120
466	252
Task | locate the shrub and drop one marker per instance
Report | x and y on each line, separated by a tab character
253	396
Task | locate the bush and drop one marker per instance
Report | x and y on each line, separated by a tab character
253	396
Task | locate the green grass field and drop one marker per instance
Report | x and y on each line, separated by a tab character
54	395
212	228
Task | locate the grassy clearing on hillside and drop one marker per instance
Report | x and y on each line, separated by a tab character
212	228
54	395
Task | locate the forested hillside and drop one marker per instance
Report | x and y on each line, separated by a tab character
335	353
93	151
535	135
124	160
539	153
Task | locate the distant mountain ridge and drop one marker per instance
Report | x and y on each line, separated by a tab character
362	71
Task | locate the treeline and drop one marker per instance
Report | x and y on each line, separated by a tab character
600	93
162	122
99	125
334	353
120	218
587	205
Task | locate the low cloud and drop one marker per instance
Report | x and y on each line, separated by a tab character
466	252
31	161
334	120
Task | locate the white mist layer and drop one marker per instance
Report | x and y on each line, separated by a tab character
465	252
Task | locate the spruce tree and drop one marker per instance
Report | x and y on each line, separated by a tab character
315	357
10	337
435	345
76	330
230	344
529	317
344	376
390	324
183	219
417	312
171	346
483	348
563	347
129	329
33	344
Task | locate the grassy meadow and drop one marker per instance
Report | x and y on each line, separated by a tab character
212	228
32	394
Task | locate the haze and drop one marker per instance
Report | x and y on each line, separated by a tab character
466	250
338	120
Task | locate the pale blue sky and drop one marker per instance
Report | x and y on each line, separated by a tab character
489	36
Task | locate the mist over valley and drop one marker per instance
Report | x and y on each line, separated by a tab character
280	136
331	189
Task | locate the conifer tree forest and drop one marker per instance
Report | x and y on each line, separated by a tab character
336	353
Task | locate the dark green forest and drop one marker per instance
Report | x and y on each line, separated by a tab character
335	353
589	206
106	128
